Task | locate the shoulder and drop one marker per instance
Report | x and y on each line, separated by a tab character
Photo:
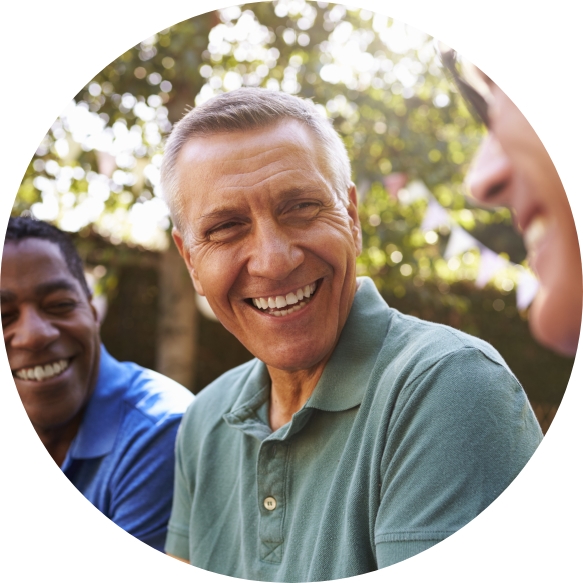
440	368
416	345
148	394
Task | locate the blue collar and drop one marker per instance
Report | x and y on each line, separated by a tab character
103	415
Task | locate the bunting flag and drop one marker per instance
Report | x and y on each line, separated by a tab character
415	190
394	182
459	242
435	217
490	264
526	289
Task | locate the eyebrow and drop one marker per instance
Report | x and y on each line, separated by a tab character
281	197
42	289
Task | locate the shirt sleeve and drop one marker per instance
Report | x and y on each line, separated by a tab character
459	434
141	486
177	539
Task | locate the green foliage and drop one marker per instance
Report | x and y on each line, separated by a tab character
383	87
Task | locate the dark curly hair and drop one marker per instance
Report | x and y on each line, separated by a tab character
20	228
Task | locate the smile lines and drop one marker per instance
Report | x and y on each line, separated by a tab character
41	373
274	305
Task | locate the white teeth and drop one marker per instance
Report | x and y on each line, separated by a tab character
293	301
40	373
535	232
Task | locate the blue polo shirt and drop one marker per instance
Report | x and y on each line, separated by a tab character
122	458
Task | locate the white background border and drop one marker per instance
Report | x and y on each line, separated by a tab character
51	49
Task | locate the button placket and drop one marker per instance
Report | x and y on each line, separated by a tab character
271	468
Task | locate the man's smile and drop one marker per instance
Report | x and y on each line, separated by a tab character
43	372
281	305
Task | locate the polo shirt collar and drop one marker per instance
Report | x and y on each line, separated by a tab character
346	376
103	415
347	373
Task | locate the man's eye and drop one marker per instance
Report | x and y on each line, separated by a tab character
224	230
61	307
8	317
303	209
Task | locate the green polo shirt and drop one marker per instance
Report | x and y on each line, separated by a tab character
413	429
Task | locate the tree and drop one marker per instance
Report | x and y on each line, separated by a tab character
381	83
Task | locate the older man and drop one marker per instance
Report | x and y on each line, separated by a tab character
512	168
109	425
358	436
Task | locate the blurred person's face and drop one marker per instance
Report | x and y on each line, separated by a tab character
268	242
50	331
512	168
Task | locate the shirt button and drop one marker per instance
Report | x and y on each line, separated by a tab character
270	503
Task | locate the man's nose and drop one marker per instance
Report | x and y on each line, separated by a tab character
273	253
491	173
33	331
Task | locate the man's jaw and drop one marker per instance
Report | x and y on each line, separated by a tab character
43	372
284	304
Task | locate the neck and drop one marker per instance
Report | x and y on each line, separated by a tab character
57	440
290	391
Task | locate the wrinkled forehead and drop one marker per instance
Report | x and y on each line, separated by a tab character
238	164
255	147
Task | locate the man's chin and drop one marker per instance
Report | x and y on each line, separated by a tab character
554	324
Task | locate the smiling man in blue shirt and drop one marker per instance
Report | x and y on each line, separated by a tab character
110	425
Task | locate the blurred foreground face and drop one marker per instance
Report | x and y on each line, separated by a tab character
513	169
268	242
50	331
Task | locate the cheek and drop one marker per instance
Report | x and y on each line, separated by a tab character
216	272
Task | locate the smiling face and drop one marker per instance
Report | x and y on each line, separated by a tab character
268	242
50	331
513	169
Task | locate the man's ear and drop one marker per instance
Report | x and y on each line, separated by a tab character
352	209
94	310
184	253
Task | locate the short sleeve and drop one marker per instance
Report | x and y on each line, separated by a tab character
459	434
177	539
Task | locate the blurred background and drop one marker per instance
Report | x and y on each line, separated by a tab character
430	251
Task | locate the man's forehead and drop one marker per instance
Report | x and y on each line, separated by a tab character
224	169
256	145
33	262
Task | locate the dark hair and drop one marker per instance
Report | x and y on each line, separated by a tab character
20	228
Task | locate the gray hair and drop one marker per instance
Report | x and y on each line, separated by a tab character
245	109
